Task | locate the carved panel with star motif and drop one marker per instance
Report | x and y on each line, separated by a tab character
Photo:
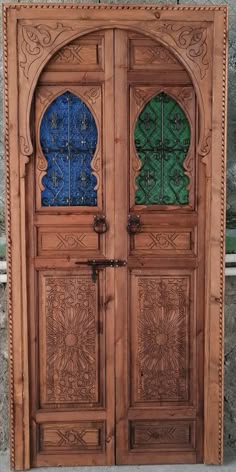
69	322
161	337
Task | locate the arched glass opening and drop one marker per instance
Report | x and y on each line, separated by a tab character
162	140
68	137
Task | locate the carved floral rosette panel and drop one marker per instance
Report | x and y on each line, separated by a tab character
161	337
91	96
68	339
162	157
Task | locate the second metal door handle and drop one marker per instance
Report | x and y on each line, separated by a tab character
134	224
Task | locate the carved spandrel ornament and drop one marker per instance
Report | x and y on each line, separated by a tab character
35	40
193	40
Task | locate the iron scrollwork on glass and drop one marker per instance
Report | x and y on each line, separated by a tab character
162	140
68	137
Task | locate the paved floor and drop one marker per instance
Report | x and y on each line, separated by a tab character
229	466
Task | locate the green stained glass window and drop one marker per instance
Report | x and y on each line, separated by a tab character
162	139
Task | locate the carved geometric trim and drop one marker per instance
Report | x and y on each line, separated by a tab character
57	240
155	55
163	241
78	436
76	54
149	435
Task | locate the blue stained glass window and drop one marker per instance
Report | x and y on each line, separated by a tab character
68	137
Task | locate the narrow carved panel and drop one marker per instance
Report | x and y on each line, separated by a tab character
56	240
162	434
163	242
69	339
145	53
82	436
78	55
162	325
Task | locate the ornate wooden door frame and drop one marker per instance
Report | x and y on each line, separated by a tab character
197	36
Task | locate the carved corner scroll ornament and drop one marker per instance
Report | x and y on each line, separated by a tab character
204	150
193	40
44	95
93	94
35	40
205	146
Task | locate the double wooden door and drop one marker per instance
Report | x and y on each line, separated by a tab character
115	254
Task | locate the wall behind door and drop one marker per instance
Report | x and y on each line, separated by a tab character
230	299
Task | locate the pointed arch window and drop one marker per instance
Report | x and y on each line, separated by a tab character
162	139
68	138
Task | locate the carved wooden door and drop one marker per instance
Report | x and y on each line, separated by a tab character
72	360
138	207
115	244
160	302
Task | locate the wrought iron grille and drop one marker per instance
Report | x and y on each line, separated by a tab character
68	136
162	139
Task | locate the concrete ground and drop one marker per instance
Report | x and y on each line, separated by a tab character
229	466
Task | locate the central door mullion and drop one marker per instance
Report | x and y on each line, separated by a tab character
121	240
108	298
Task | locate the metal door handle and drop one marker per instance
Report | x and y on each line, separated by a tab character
134	224
100	225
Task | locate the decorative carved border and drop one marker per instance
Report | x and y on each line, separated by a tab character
204	151
104	6
9	251
222	243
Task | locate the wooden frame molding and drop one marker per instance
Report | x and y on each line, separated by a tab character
32	34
